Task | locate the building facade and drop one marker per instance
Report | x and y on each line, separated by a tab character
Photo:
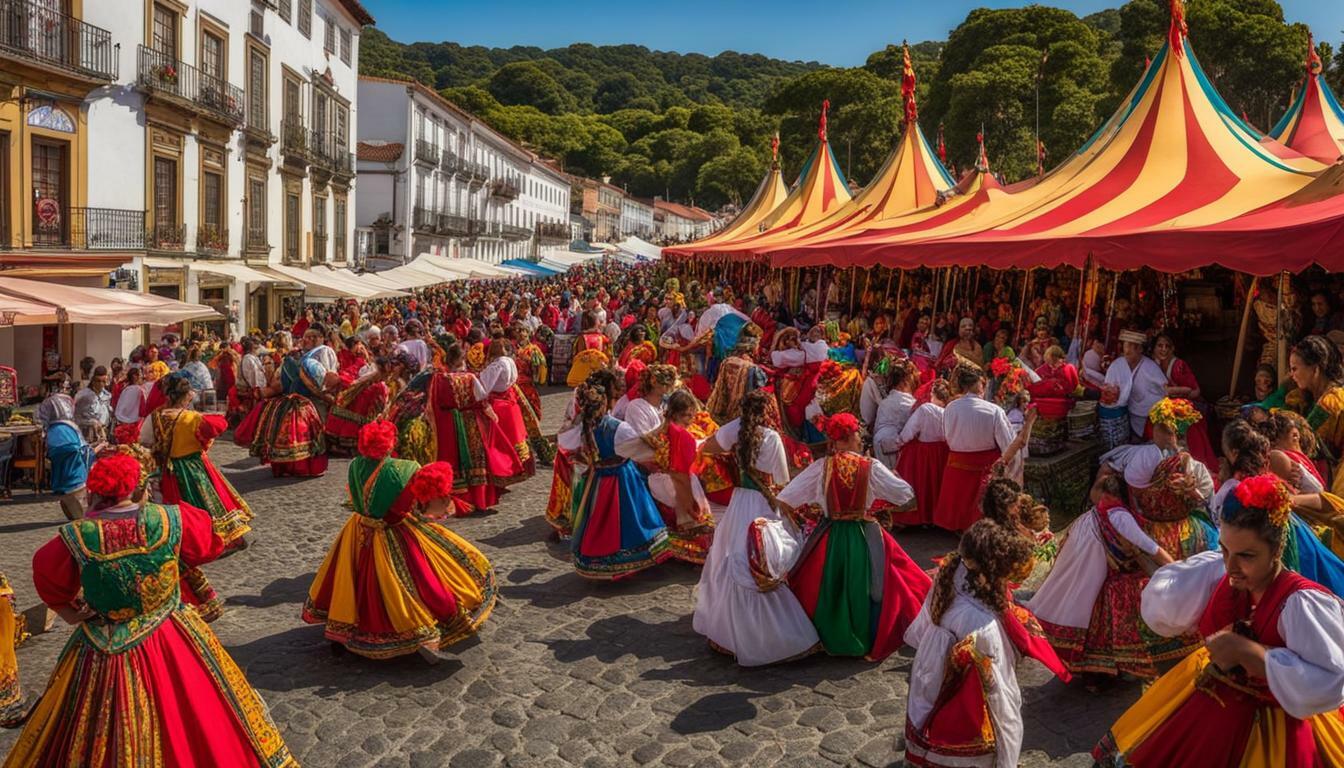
678	223
636	218
436	179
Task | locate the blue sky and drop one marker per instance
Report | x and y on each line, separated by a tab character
838	32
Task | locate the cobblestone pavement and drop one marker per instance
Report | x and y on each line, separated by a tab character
565	672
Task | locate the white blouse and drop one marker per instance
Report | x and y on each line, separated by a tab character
1070	591
643	416
975	424
499	375
809	487
870	400
770	457
1138	462
1306	676
925	425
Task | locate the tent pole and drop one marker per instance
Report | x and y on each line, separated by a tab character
1078	314
1279	324
935	298
853	287
821	296
864	293
891	273
1022	308
1110	307
1241	337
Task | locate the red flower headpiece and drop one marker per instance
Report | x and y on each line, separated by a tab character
841	426
114	477
127	434
377	439
1266	492
633	373
431	482
1000	366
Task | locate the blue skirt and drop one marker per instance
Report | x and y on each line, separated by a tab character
618	530
70	458
1314	559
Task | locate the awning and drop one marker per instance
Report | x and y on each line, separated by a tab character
371	278
408	277
35	302
468	266
445	273
641	248
328	283
529	267
237	271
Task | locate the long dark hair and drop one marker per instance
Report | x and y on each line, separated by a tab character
1251	446
1318	352
592	407
754	406
991	553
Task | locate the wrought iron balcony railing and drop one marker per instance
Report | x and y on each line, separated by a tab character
212	239
426	152
34	32
504	189
166	237
553	232
451	163
513	232
93	229
294	138
454	226
204	93
319	248
425	221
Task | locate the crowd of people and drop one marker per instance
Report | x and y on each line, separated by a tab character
779	440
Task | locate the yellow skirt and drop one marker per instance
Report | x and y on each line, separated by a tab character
584	364
11	634
388	590
1265	748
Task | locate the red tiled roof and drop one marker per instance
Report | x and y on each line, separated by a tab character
389	152
358	11
687	212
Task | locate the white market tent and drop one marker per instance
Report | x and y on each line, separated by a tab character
35	302
641	248
331	283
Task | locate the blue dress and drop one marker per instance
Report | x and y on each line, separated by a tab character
618	530
70	457
1305	553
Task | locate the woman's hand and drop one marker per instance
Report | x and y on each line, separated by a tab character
1229	650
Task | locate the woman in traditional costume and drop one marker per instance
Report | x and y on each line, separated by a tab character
12	703
396	581
531	363
855	582
618	530
894	411
1089	603
965	706
589	353
667	452
68	452
499	378
1291	446
180	699
1267	687
1316	368
180	439
1181	383
1168	489
289	434
638	347
559	506
979	437
460	427
797	366
737	375
923	456
743	604
1249	454
362	400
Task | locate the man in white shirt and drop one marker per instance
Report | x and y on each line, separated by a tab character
93	407
1140	381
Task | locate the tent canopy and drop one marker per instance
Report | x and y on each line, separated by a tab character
330	283
767	198
34	302
640	247
1314	124
1174	180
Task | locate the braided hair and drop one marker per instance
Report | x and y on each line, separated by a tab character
991	553
1319	352
1281	422
1251	446
592	407
748	437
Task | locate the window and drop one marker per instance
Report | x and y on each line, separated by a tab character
339	227
293	99
286	10
165	200
165	31
306	17
347	42
292	225
256	91
212	199
319	230
328	36
49	193
212	56
256	212
341	128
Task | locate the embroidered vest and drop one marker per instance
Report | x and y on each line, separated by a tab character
846	480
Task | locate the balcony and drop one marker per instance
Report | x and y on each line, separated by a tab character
166	237
343	166
451	163
89	229
426	222
257	127
426	152
504	189
511	232
454	225
160	75
294	141
34	33
212	240
476	173
488	230
553	232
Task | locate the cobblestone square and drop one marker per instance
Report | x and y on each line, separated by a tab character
565	672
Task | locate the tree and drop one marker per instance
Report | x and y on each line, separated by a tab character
616	91
851	93
1334	61
729	178
525	83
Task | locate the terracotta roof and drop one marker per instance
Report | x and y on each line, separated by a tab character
388	152
690	213
356	10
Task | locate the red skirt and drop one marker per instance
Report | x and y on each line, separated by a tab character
510	413
921	465
562	494
958	504
246	430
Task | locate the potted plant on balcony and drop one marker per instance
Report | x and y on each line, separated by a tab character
166	74
212	239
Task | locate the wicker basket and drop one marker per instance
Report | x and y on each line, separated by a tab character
1227	408
1083	420
1048	436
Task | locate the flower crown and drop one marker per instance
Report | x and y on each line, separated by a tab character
1174	413
1266	492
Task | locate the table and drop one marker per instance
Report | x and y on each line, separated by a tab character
35	457
1061	481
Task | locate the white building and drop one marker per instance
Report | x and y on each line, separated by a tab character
680	223
231	128
636	218
436	179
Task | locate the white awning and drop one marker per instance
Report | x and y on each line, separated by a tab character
641	248
372	278
236	270
327	282
408	276
35	302
446	272
466	266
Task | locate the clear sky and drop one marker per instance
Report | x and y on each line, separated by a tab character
838	32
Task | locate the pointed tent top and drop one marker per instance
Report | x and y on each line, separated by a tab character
942	147
1314	65
982	157
1179	31
908	86
1314	123
821	126
774	150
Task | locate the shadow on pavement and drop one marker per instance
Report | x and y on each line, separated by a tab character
569	588
286	589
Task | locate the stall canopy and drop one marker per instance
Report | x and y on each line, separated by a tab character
769	195
821	190
529	267
1314	124
911	178
34	302
1174	180
329	283
641	248
235	270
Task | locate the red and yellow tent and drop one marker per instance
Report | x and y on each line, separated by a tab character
1314	124
770	193
1174	180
